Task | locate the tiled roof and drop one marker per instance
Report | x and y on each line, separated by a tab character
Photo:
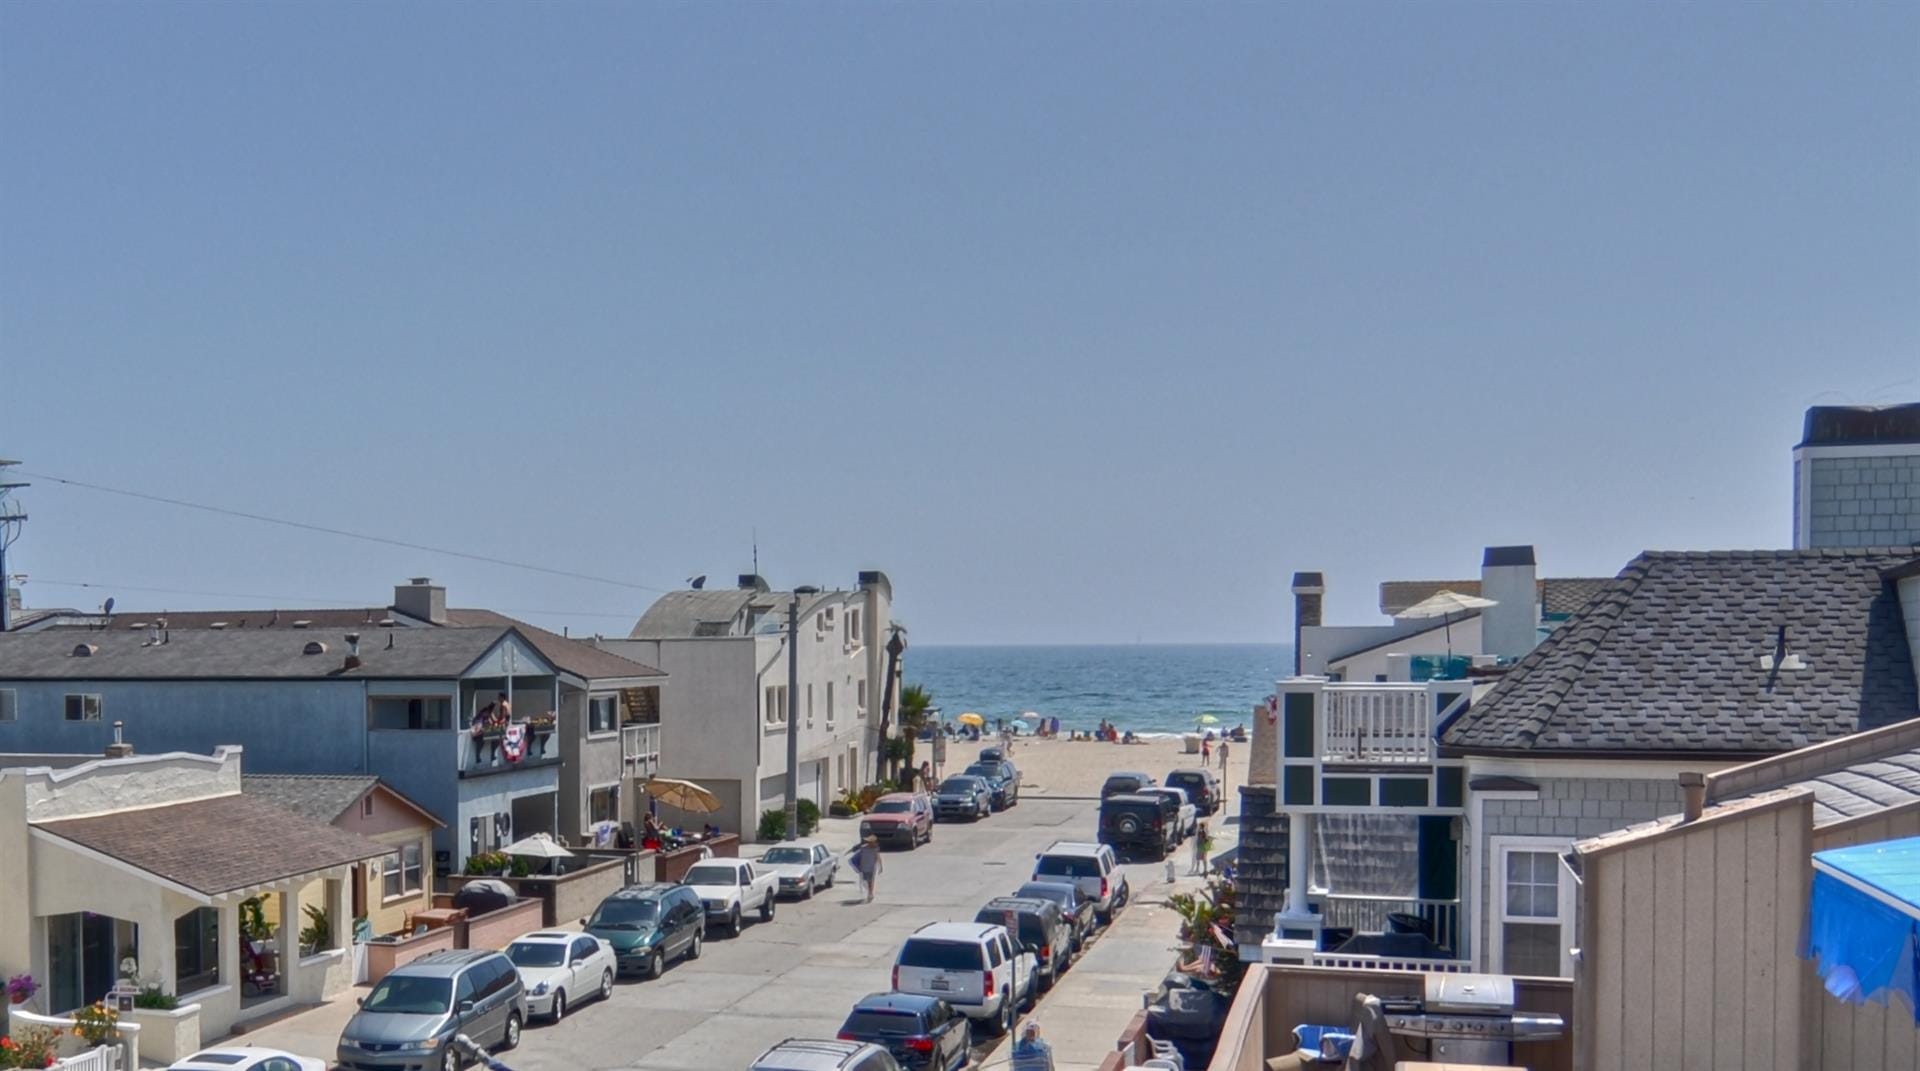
416	653
1558	594
1668	659
217	845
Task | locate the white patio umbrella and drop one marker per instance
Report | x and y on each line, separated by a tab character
1444	604
537	846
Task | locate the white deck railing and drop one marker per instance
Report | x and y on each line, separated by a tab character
1368	914
1391	963
1377	723
640	749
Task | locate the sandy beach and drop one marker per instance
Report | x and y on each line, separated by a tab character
1077	767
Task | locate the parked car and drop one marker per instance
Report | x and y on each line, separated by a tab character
803	1054
1039	927
1203	788
1126	781
649	924
1002	778
408	1020
729	888
923	1033
557	967
1137	823
1186	815
975	967
799	867
247	1059
902	818
1075	907
963	796
1093	867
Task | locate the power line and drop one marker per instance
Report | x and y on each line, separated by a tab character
342	532
283	599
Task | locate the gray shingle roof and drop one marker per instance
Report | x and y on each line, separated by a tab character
321	797
573	656
436	654
686	614
1558	594
1853	777
1668	659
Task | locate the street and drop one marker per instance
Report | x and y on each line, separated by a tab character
798	975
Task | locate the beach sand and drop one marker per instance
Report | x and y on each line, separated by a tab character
1075	768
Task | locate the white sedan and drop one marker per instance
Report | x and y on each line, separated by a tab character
801	867
559	969
244	1058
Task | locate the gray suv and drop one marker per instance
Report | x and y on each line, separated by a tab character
408	1021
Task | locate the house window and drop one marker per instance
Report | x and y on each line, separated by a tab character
401	872
600	714
854	635
860	698
390	876
9	705
829	704
1533	909
196	950
603	804
809	705
366	805
421	712
83	708
776	705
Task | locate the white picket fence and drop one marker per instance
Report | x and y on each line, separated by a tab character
104	1058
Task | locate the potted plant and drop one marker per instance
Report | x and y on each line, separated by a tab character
169	1031
31	1048
540	725
96	1024
21	988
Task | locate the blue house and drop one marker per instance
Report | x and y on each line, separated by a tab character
396	703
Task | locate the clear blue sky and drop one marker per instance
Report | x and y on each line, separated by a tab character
1086	322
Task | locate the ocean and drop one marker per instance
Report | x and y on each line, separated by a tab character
1148	688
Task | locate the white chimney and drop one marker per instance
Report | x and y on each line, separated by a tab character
421	598
1510	628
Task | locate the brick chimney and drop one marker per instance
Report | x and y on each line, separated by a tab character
1308	591
421	598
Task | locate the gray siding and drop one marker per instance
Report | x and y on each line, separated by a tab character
1260	865
1568	807
1863	501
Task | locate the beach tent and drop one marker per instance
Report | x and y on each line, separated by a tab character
1864	920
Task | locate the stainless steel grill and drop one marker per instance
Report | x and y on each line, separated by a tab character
1469	1019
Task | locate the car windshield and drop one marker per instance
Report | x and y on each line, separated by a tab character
537	953
1064	895
880	1022
1031	928
941	955
624	915
402	994
787	855
1068	866
959	786
891	807
978	770
712	875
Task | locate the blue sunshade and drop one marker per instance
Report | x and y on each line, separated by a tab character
1864	920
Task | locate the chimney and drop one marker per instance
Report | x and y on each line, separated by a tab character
119	749
1308	591
1507	576
1693	790
421	598
353	652
753	582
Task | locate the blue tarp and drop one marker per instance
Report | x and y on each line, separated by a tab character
1864	920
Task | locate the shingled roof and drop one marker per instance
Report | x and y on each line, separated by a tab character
324	797
420	654
1668	659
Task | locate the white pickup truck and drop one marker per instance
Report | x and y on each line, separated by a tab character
730	888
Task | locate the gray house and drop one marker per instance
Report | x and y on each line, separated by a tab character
399	703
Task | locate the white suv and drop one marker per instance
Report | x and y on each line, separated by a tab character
976	967
1090	866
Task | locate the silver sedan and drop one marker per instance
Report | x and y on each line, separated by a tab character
800	867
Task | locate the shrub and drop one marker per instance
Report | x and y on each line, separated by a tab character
809	813
317	933
899	749
773	825
31	1047
152	996
96	1024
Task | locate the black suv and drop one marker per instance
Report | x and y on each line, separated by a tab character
1126	781
1202	788
1138	823
1039	927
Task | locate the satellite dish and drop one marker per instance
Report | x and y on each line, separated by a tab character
698	582
107	607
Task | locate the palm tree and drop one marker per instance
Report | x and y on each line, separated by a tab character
915	703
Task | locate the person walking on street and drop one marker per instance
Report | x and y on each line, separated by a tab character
1202	844
1030	1053
868	864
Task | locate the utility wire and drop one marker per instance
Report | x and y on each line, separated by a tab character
324	530
282	599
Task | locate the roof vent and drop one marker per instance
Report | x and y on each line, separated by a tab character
314	647
138	625
84	650
217	625
302	623
387	622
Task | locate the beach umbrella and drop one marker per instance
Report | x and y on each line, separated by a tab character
970	718
1444	604
537	846
1206	719
1031	715
683	794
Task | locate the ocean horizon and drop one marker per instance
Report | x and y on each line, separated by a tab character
1146	687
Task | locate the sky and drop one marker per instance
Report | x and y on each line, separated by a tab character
1084	322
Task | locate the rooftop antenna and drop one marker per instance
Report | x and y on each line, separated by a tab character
11	518
756	551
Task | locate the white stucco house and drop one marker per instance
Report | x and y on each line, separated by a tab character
137	868
724	724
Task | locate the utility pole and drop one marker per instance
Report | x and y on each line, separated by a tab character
793	699
10	521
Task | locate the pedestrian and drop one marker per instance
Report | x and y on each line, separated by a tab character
1223	755
1030	1053
1206	752
868	863
1202	842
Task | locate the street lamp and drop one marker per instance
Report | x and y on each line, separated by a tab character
793	698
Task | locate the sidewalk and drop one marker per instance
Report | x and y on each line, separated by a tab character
1083	1017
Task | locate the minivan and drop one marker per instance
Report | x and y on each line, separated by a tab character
648	924
409	1019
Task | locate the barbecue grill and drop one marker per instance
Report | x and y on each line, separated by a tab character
1469	1019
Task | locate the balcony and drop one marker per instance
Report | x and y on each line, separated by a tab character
481	756
1384	723
640	750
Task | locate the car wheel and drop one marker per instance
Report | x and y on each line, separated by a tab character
733	922
766	909
1003	1021
694	946
449	1060
511	1039
606	985
559	1005
656	964
808	895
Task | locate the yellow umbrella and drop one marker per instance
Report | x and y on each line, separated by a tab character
683	794
970	718
1206	719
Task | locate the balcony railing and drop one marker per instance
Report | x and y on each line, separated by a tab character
640	749
1378	723
488	754
1439	920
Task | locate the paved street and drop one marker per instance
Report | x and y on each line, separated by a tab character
797	976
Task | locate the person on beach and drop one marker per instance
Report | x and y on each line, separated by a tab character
867	862
1223	756
1206	750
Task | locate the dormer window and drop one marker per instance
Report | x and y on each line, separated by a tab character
84	650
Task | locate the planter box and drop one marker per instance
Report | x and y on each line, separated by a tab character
168	1035
384	956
